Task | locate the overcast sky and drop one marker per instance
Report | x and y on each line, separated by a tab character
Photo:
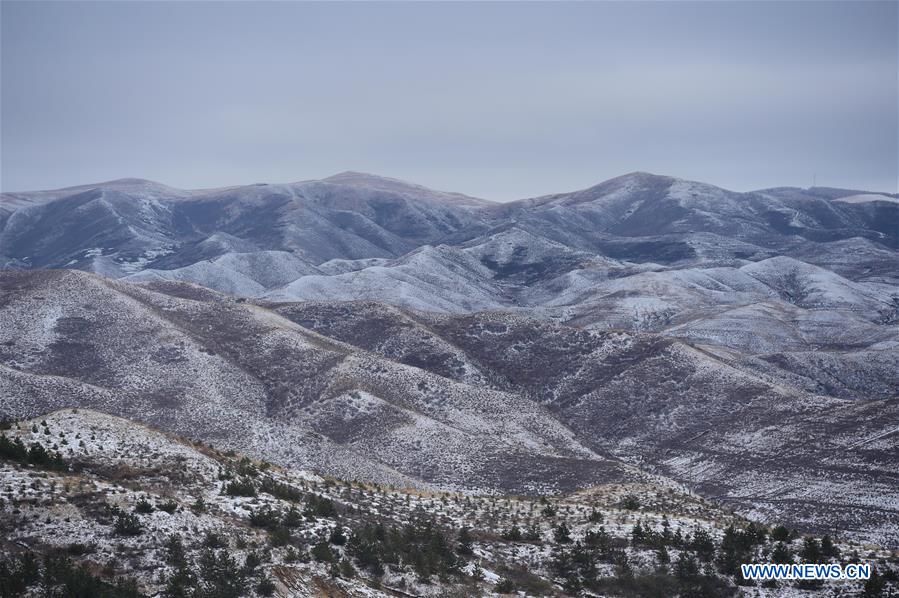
498	100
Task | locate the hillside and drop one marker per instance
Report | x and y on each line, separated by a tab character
638	252
743	347
134	512
483	403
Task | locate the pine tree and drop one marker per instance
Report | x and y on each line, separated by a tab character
562	534
337	536
533	534
504	586
875	585
637	534
464	542
687	567
346	569
828	549
662	555
781	554
782	534
811	551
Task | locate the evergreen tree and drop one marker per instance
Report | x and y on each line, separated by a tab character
562	534
703	545
781	554
513	534
504	586
663	557
875	585
464	542
322	553
346	569
828	549
337	536
736	548
782	534
811	551
220	576
637	534
686	568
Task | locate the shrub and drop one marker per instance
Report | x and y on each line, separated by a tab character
127	524
214	540
279	490
280	537
265	518
322	553
265	587
630	502
319	506
241	487
464	542
199	506
513	534
504	586
169	507
292	518
337	537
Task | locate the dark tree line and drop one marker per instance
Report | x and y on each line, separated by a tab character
56	576
37	455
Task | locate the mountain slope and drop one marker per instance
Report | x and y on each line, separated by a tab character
646	328
134	512
661	405
243	374
488	402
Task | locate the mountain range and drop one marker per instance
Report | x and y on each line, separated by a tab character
743	347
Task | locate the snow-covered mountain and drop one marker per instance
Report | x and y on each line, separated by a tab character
488	402
745	345
637	252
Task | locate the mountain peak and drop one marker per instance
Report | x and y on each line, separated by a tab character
382	183
639	177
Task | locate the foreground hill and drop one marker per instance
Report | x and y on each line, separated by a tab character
484	403
94	505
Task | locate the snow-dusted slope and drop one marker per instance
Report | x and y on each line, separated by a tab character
638	251
255	380
438	278
149	514
868	197
647	321
241	274
489	402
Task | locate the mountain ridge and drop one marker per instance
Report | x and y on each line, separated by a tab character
743	345
484	402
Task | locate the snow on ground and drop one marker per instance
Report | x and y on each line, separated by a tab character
119	466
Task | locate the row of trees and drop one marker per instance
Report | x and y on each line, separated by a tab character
56	576
214	574
36	454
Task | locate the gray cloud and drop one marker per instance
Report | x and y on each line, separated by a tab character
501	100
